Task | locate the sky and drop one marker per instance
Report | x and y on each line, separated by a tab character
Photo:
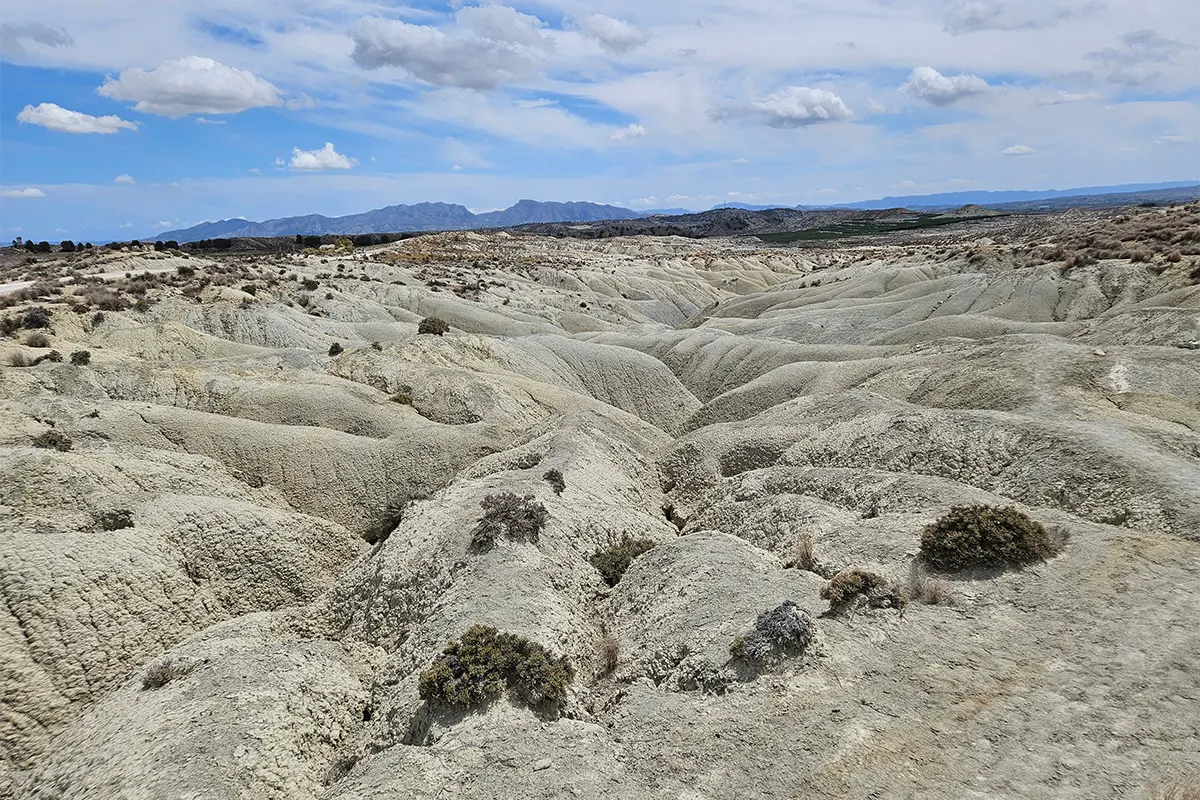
128	117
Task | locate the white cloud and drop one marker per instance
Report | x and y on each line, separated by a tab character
1172	139
57	118
970	16
126	225
124	178
207	121
22	193
192	85
325	158
615	35
794	107
490	46
632	131
741	162
1018	150
1063	98
256	171
11	36
926	83
1139	57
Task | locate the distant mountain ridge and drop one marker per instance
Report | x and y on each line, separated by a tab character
418	217
450	216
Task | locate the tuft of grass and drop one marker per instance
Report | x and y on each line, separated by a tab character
485	663
19	359
927	590
613	561
608	651
37	339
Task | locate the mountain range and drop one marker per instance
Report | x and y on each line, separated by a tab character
448	216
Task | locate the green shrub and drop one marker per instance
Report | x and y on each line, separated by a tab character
486	662
984	536
392	515
555	478
510	516
613	561
433	325
53	440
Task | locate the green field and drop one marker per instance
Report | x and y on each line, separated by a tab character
845	230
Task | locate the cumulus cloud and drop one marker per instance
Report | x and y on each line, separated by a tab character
632	131
1018	150
207	121
57	118
614	34
970	16
1132	63
192	85
794	107
124	178
22	193
926	83
11	36
325	158
489	47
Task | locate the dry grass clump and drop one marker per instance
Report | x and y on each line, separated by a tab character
608	652
924	589
1180	789
162	672
38	340
20	360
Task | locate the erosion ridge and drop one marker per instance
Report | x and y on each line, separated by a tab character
206	522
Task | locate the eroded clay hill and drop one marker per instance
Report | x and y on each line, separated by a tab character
202	594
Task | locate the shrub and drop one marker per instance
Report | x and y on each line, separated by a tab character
115	520
984	536
308	284
38	340
612	562
780	633
20	360
800	556
516	518
336	349
10	325
608	650
53	355
433	325
81	358
52	440
142	305
392	515
162	672
97	318
485	662
848	585
555	478
36	317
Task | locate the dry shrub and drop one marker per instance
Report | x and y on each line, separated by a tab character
433	325
927	590
608	651
162	672
507	515
848	585
52	440
984	536
613	561
20	360
556	480
38	340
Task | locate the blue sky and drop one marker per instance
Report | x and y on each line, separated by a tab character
126	117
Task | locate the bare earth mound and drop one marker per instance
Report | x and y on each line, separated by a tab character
189	605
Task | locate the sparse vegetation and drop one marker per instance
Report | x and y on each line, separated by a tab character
433	325
984	536
608	652
555	478
81	358
335	349
53	440
925	589
38	340
485	663
848	585
612	562
165	670
782	632
115	520
506	515
20	360
392	515
36	317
